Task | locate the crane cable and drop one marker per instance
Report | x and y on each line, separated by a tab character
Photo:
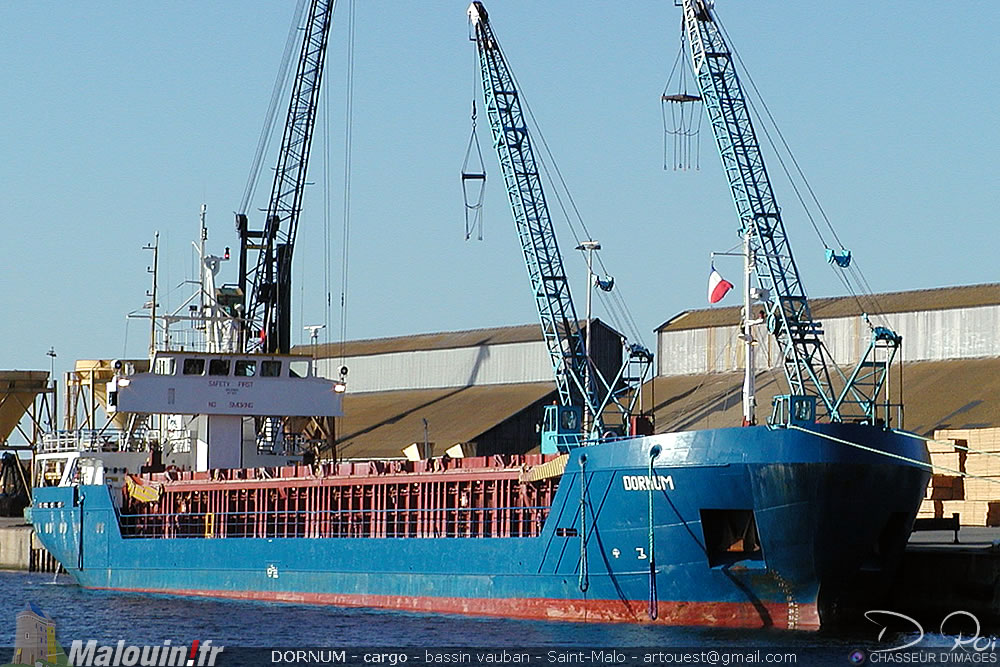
684	128
270	118
348	153
474	205
327	279
906	459
673	70
327	237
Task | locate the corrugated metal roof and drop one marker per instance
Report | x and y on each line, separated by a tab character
942	298
938	395
522	333
382	424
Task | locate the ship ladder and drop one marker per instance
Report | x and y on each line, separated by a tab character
209	524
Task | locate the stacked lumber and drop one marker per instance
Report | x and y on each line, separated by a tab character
946	487
931	509
946	483
975	498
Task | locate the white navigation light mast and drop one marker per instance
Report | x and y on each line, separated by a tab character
588	247
749	320
314	330
749	389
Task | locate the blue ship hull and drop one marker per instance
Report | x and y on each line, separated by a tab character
822	511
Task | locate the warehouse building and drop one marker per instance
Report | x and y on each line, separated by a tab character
486	388
951	355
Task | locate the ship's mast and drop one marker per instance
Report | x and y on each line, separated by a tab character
152	295
748	324
203	236
749	341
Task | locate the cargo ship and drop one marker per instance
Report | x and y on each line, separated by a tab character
749	526
746	527
758	525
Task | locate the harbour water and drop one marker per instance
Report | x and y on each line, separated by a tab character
151	620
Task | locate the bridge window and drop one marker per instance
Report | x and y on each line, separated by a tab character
803	409
194	367
218	367
568	420
164	366
550	420
270	369
298	369
246	369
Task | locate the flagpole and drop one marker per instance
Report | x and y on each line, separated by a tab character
588	419
749	390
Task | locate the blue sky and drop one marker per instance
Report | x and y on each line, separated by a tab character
122	118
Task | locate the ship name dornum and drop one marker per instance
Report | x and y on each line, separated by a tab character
647	483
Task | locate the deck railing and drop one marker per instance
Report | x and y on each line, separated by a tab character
471	497
92	440
526	521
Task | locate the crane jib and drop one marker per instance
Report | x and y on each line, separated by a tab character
531	217
579	382
266	256
808	366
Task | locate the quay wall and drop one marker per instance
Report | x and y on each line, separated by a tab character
21	550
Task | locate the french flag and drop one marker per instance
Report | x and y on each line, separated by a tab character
717	286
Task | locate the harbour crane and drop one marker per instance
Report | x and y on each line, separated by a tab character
813	377
583	393
266	255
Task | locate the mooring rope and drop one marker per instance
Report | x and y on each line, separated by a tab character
864	447
79	544
584	574
969	450
929	466
653	608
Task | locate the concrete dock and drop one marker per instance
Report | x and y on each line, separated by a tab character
21	550
939	577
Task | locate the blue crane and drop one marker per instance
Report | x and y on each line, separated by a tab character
266	278
579	383
811	372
